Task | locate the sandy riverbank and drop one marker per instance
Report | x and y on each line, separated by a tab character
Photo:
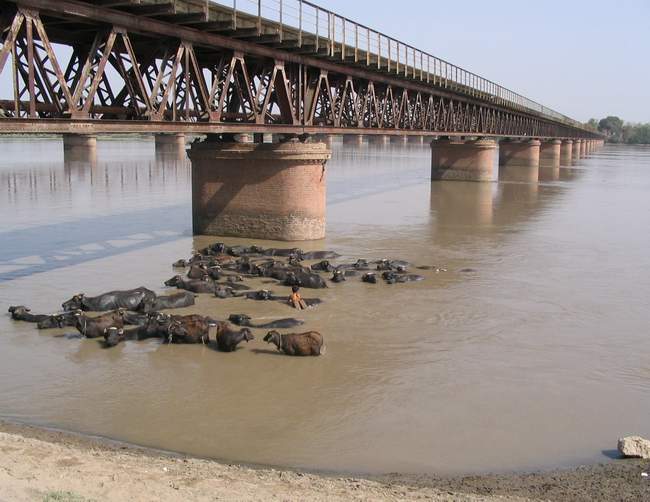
37	464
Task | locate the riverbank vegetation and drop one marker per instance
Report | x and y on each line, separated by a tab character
618	131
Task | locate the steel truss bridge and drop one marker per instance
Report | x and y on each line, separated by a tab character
204	66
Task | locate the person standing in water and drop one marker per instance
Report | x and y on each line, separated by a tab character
296	300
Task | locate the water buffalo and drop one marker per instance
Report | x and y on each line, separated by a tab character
189	329
370	278
228	339
197	271
322	266
22	313
296	344
437	270
338	276
193	285
93	327
133	299
244	320
304	279
152	328
319	255
213	249
394	278
58	321
175	301
395	265
360	264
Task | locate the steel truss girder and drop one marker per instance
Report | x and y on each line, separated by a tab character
180	82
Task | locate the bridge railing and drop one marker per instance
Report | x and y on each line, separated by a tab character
337	37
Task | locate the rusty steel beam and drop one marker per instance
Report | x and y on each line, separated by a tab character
148	26
89	126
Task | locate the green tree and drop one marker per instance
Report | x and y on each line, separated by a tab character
592	124
613	127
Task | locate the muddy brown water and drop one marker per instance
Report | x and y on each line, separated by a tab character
537	358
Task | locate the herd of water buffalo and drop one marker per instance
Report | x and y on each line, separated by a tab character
221	271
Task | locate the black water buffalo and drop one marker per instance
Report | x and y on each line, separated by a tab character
319	255
338	276
22	313
228	339
178	300
133	299
360	264
193	285
244	320
58	321
394	265
322	266
266	295
197	271
94	327
114	335
300	344
393	278
304	280
370	278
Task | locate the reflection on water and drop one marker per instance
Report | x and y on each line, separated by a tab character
536	335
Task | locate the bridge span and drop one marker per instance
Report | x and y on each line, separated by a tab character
236	70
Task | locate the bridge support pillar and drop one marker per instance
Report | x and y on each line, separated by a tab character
79	150
519	160
575	154
379	139
353	139
79	142
259	190
583	148
456	159
168	143
566	152
399	140
549	154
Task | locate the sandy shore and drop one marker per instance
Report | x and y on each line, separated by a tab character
44	465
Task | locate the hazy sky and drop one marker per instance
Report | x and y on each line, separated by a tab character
584	58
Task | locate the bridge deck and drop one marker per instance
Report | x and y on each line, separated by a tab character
293	32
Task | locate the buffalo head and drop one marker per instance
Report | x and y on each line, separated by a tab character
74	303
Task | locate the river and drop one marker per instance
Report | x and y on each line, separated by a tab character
530	352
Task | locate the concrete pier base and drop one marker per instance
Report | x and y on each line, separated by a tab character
550	153
264	191
566	152
519	160
79	141
575	154
170	146
170	142
353	139
583	148
379	139
79	152
456	159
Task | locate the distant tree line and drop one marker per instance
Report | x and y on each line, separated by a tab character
618	131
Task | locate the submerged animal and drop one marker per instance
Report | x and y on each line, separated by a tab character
228	339
132	299
296	344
